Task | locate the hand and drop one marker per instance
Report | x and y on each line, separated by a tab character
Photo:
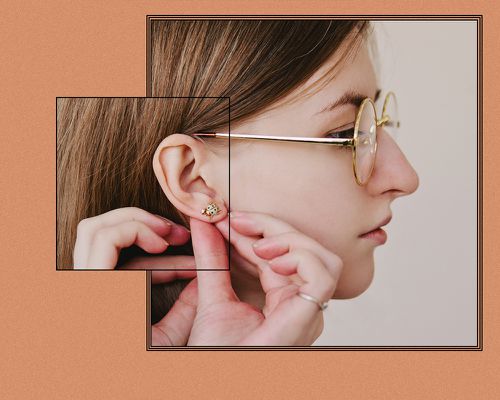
222	319
258	237
299	263
174	328
99	241
98	244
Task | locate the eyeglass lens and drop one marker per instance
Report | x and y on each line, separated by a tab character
367	135
365	142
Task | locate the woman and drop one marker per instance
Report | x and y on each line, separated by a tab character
309	199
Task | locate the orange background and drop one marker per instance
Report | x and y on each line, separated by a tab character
81	334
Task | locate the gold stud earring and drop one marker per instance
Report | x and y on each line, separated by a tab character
211	210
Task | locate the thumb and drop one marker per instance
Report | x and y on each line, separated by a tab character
212	265
176	325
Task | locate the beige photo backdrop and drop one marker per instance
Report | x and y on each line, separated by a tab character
424	292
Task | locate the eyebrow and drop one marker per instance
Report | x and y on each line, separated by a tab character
349	97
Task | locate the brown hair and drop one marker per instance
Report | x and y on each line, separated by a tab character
105	145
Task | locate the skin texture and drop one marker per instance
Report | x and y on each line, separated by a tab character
209	312
309	186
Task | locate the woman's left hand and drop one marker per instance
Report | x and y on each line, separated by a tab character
299	264
259	237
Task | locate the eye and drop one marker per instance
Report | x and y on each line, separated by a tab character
342	134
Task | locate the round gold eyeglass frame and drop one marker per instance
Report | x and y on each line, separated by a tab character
385	120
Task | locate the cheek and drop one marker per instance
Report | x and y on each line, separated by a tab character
316	193
312	188
268	178
256	180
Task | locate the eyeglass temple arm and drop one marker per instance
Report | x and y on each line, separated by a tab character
338	142
387	120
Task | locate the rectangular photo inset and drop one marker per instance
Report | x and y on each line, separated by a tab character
126	180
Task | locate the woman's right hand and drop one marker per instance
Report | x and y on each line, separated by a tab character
99	241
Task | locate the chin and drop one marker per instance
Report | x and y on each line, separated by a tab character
354	282
341	294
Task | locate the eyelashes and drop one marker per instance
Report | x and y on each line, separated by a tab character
344	134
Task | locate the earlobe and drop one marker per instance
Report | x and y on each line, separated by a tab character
178	166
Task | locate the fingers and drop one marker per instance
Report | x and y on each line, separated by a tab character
242	243
89	227
317	280
249	260
316	275
161	262
168	276
259	224
174	328
107	243
277	245
210	252
315	270
280	237
294	320
180	267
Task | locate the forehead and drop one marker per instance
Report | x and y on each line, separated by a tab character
356	73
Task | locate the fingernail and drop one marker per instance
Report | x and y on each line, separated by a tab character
245	222
236	214
164	219
182	227
166	243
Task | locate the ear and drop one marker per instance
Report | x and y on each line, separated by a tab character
182	166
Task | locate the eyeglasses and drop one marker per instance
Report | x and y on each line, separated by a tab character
362	138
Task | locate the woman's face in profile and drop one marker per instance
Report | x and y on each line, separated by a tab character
312	186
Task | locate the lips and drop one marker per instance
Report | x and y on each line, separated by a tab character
384	222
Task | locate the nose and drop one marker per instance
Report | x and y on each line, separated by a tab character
392	172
